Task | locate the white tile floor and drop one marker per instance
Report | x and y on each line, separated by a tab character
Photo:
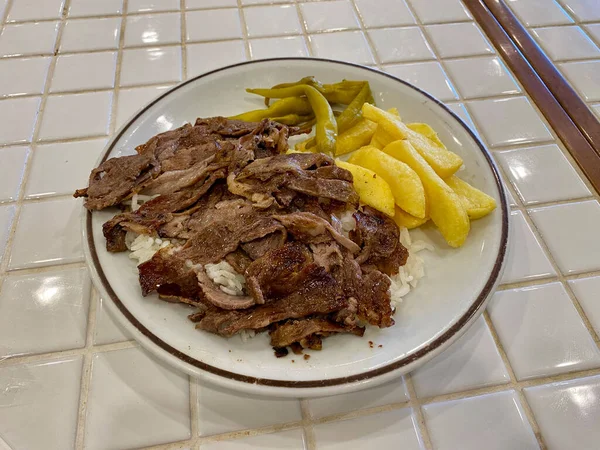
536	349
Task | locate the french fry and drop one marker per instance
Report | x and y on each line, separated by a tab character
445	207
444	162
404	219
355	137
428	132
380	139
372	189
477	204
406	185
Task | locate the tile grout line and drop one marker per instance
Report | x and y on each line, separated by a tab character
417	412
4	263
304	26
244	28
86	372
183	26
528	412
364	29
514	383
118	66
199	41
307	425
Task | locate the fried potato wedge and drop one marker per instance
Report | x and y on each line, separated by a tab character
404	219
406	185
445	206
428	132
355	137
373	190
443	162
477	204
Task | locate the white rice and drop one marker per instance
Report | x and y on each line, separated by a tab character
408	276
226	277
138	200
143	247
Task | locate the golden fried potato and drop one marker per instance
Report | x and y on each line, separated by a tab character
444	162
428	132
404	219
355	137
372	189
477	204
381	138
445	207
406	185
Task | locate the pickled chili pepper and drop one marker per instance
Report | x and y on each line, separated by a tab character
326	126
283	107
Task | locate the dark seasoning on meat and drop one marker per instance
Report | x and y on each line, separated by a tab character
227	190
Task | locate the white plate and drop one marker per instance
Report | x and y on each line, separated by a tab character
454	292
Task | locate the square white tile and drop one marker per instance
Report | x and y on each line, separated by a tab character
440	11
150	65
282	20
346	45
203	58
594	31
133	99
569	230
566	43
535	13
54	240
493	421
526	258
585	77
382	430
35	306
91	34
95	8
7	213
329	16
481	77
222	412
30	10
213	24
568	413
471	362
13	164
541	331
383	13
278	46
152	400
253	2
23	75
207	4
428	76
76	115
84	71
394	392
509	121
283	440
28	39
460	110
153	5
153	29
584	10
401	44
458	39
542	174
41	396
107	330
586	291
71	164
18	116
